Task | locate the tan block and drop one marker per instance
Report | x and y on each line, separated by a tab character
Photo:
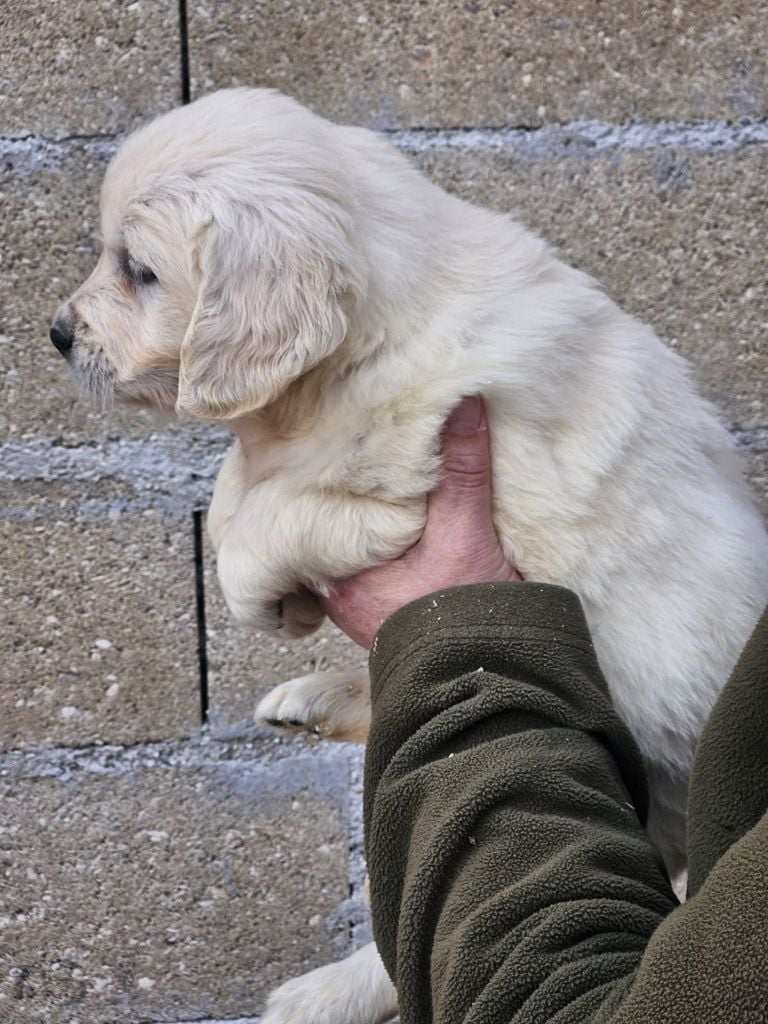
98	628
397	63
676	237
755	450
85	67
49	196
166	883
243	664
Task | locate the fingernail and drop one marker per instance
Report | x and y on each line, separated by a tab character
466	417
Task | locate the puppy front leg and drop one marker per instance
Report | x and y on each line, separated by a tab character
279	547
316	537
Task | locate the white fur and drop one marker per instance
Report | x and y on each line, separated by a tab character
356	989
322	296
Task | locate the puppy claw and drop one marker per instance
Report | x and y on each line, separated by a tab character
288	723
334	705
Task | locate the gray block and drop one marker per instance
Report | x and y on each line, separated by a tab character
754	446
170	473
98	627
397	63
166	883
86	68
675	235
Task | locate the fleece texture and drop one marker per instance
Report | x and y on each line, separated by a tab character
511	878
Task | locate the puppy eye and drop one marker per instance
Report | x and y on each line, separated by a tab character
142	275
136	272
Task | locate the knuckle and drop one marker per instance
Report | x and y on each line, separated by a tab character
469	469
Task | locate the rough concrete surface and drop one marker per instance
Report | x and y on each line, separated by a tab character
229	1020
182	874
676	237
99	634
754	446
398	63
152	887
243	664
49	196
85	67
170	472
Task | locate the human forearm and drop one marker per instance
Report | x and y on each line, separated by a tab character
509	870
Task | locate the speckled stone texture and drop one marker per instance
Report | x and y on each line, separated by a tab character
675	236
98	628
166	884
243	665
182	875
398	63
85	67
755	451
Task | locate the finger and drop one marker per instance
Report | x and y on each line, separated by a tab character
465	489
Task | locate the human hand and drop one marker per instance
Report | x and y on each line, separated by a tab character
458	544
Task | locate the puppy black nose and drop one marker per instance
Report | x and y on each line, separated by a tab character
63	335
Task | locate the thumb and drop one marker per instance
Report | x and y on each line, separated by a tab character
466	485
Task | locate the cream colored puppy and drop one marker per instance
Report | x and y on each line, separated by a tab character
302	282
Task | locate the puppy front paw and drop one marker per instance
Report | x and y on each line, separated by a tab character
297	613
334	705
352	991
302	613
265	616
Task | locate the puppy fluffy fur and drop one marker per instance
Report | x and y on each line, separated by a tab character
321	296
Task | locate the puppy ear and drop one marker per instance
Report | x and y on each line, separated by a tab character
269	308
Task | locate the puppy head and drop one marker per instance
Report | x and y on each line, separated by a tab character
227	268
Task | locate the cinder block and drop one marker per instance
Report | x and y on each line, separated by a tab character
85	67
49	195
168	473
167	883
396	63
755	452
243	664
99	627
674	235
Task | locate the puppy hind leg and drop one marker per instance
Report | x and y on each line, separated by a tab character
666	824
334	705
353	991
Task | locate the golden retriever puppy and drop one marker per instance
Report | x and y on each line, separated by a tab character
303	283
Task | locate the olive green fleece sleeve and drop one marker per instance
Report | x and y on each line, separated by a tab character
511	879
729	785
708	961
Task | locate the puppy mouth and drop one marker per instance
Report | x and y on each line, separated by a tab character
93	374
156	387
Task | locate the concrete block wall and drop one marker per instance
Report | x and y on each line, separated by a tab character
152	869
